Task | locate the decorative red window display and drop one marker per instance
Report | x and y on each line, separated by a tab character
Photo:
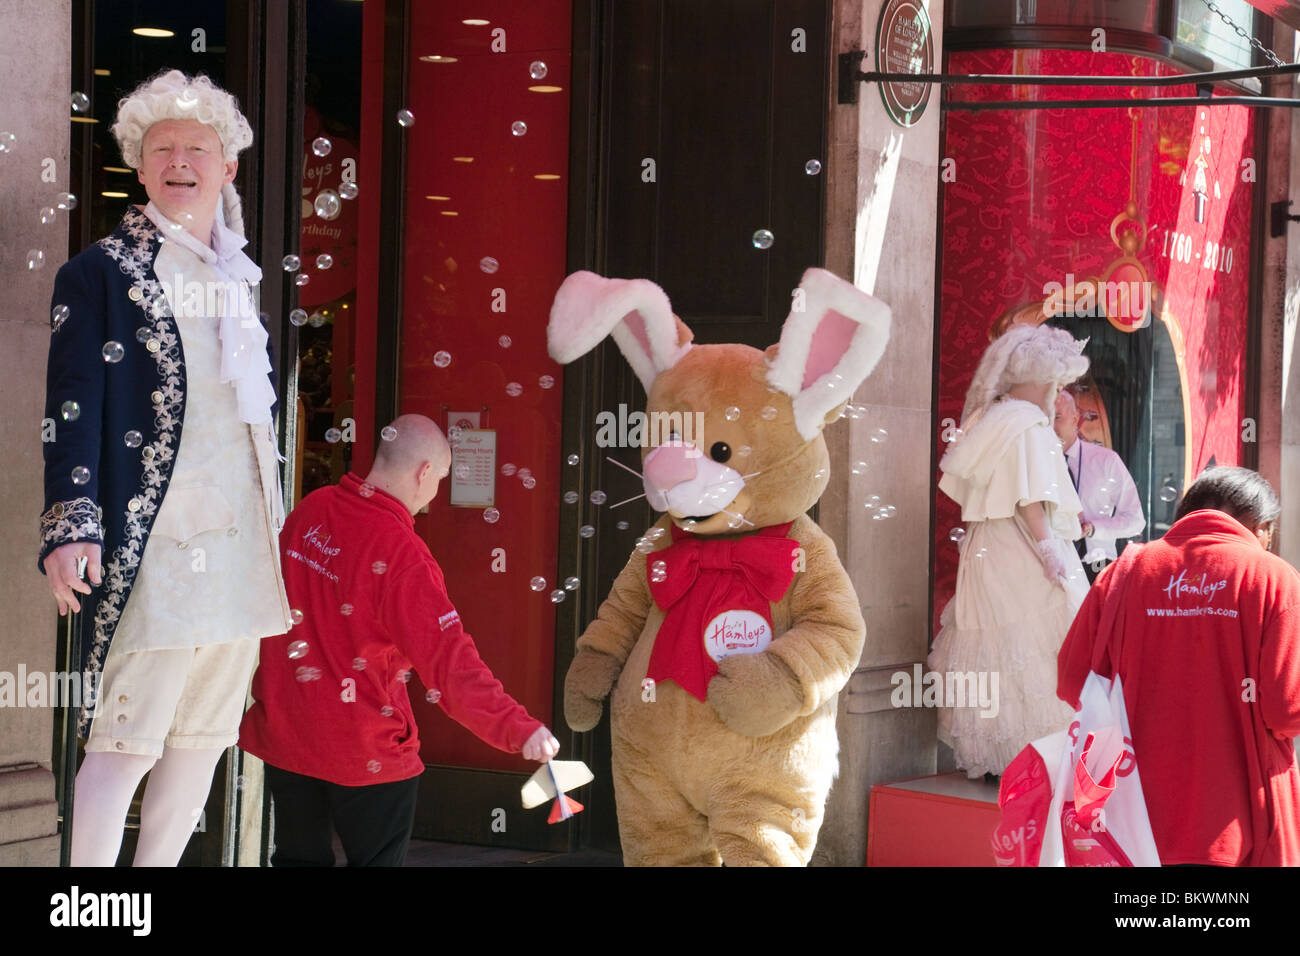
1127	227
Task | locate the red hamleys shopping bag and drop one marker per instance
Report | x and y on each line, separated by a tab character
1075	798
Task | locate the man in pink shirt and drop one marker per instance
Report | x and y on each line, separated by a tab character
332	717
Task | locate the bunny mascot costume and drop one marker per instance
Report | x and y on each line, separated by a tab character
727	637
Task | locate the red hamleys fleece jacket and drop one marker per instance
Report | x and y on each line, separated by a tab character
1206	638
331	699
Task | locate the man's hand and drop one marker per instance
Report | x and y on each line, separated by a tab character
1089	529
541	746
61	570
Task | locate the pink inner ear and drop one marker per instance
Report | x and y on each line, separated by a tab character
829	343
636	325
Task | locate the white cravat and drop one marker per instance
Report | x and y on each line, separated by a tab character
244	362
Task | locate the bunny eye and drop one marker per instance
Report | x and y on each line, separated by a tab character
720	451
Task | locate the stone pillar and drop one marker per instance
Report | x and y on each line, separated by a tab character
882	209
35	60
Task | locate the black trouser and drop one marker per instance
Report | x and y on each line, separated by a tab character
373	823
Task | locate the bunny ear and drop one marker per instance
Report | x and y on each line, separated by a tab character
828	347
636	312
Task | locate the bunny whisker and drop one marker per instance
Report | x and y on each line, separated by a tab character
741	518
625	467
628	500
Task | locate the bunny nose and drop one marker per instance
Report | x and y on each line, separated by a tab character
670	464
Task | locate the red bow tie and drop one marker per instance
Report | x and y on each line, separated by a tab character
701	578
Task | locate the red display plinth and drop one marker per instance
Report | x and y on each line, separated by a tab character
940	820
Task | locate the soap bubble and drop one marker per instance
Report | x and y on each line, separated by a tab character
622	526
388	433
508	469
143	334
442	359
48	215
348	190
884	513
812	167
489	265
133	439
767	413
688	524
58	315
859	468
644	545
80	475
514	389
379	567
518	128
957	534
321	146
529	482
659	571
324	260
386	710
504	341
525	473
7	141
537	70
546	381
332	435
654	534
367	490
298	649
1168	493
404	676
305	674
586	531
763	239
358	663
735	521
573	459
433	696
316	320
70	411
538	583
491	515
298	317
35	259
327	204
732	413
598	498
112	352
873	501
557	596
571	584
570	497
405	118
346	610
65	201
744	451
291	263
374	766
301	279
461	471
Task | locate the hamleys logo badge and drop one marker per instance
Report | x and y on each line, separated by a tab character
736	632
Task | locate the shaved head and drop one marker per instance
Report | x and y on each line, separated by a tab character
417	440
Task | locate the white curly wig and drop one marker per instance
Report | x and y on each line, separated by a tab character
1024	353
173	95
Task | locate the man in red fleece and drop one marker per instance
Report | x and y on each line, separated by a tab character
1203	628
332	717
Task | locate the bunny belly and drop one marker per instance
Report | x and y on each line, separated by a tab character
678	769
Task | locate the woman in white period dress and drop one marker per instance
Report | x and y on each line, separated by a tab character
1019	580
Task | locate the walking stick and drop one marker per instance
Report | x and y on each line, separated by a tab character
71	717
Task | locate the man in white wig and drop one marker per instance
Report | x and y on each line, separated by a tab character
163	474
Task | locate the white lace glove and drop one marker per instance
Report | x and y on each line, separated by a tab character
1053	566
